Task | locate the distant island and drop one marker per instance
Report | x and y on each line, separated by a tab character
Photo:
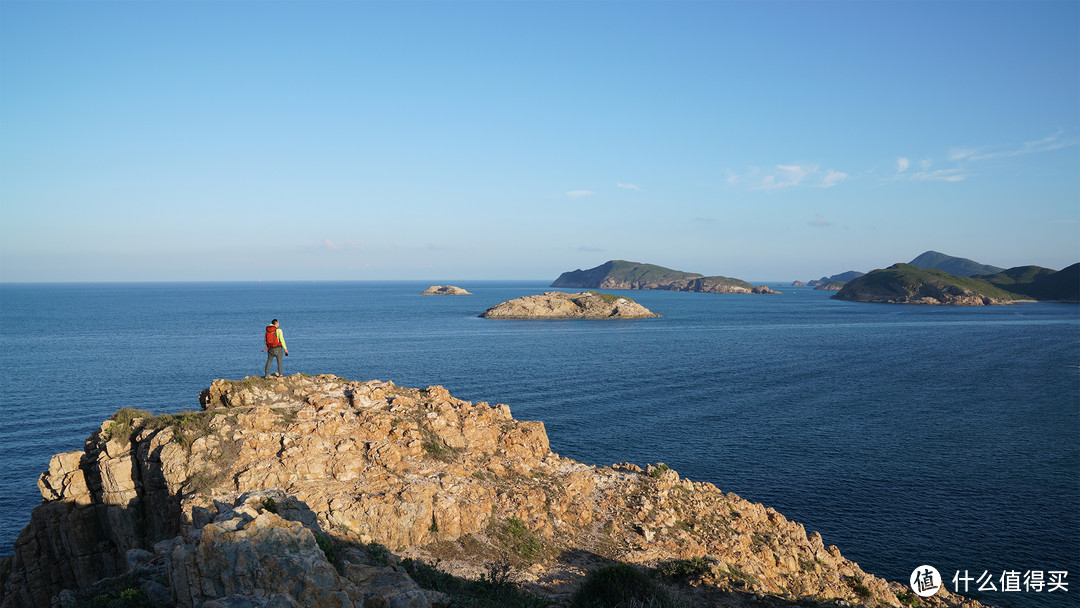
445	290
560	305
909	284
621	274
836	281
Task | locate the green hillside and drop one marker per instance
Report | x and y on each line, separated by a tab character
902	280
622	271
726	281
933	260
1040	283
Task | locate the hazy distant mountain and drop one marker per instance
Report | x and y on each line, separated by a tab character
836	281
963	267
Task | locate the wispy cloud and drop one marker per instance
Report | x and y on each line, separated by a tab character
788	176
577	193
962	160
589	248
628	186
349	244
832	178
955	174
819	221
706	220
1046	144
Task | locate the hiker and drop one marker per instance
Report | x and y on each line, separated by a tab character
275	345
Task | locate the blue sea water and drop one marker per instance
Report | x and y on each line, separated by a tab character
906	435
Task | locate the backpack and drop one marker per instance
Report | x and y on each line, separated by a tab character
271	337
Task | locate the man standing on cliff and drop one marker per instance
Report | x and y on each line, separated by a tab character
275	346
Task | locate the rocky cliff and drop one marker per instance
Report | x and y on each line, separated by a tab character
305	491
560	305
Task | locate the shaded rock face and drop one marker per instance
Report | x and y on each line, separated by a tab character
560	305
445	290
229	506
924	293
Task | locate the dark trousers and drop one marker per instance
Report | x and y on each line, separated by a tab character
270	354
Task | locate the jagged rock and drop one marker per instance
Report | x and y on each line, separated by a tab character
560	305
445	290
240	504
764	289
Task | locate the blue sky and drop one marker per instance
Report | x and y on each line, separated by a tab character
455	141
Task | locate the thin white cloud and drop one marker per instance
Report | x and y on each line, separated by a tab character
832	178
577	193
732	178
955	174
902	164
706	220
789	176
819	221
963	153
349	244
628	186
589	248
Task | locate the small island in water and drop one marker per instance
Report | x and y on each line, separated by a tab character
445	290
620	274
561	305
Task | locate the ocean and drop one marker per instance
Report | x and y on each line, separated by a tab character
906	435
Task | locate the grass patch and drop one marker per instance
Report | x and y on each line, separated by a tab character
736	573
436	449
608	297
122	426
518	542
493	590
659	470
859	588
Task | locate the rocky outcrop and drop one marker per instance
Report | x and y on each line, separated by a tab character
445	290
560	305
304	491
798	284
764	289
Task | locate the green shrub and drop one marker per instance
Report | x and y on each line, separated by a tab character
621	586
685	568
491	591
